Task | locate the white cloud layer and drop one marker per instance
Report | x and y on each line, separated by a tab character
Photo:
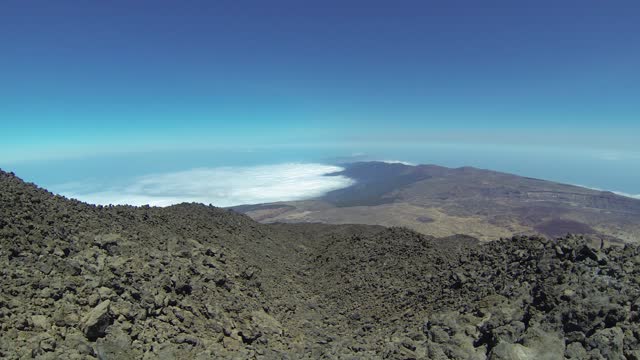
615	192
398	162
627	195
221	186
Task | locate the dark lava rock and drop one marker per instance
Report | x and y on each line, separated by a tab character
197	282
95	323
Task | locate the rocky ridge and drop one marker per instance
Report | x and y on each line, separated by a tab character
439	201
198	282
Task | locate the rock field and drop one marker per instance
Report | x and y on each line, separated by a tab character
198	282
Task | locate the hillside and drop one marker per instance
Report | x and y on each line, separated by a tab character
440	201
198	282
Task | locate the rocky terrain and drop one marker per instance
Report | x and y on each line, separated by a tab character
440	201
198	282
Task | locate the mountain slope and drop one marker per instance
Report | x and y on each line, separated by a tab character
440	201
198	282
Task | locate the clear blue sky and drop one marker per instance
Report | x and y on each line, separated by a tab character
84	77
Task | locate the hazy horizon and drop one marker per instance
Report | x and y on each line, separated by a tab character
227	178
106	93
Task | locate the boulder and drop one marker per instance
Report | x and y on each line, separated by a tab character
95	322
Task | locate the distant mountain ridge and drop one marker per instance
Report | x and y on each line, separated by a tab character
443	201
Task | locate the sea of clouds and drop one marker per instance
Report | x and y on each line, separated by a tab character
615	192
627	195
220	186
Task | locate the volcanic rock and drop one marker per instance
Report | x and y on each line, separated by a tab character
95	323
194	281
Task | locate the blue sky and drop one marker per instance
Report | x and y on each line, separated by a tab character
88	78
93	72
